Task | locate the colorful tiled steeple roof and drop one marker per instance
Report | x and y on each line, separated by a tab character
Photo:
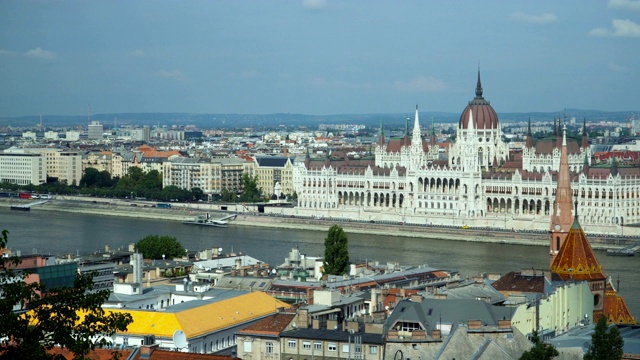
575	259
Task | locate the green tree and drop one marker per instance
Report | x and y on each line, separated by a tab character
606	342
336	252
540	350
228	196
154	246
250	191
35	318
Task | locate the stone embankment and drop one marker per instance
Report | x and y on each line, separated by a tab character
180	211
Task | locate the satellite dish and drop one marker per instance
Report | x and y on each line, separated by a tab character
179	339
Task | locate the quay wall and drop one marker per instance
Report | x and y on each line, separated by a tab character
248	217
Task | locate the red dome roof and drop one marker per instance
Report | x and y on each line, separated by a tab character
484	117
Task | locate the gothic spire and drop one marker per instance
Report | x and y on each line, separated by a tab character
561	220
614	165
529	142
381	135
479	85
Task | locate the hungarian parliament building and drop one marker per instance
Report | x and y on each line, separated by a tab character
481	183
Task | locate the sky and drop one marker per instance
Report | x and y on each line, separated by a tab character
316	57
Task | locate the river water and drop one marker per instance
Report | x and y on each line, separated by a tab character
59	233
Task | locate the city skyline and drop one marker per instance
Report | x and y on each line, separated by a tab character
316	57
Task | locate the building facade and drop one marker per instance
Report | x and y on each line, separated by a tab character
481	183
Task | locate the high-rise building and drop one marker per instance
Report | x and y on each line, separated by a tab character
95	130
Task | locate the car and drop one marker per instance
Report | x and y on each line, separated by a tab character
465	226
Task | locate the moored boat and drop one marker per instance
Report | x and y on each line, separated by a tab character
621	252
204	220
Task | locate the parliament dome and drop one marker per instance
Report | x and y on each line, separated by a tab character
484	117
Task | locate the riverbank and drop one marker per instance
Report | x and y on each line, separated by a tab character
178	212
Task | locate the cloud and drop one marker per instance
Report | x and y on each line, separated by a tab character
40	54
545	18
7	52
625	4
314	4
618	68
137	53
249	74
175	74
421	83
620	28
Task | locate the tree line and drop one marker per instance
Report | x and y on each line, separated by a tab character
137	184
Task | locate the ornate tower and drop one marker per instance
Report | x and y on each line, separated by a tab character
562	219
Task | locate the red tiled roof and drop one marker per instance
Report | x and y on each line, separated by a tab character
576	259
615	308
516	282
271	325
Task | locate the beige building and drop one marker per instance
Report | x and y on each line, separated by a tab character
99	160
211	176
272	170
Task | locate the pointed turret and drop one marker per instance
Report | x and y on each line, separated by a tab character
529	143
561	220
479	86
307	159
416	137
585	165
585	135
614	165
560	133
432	139
381	135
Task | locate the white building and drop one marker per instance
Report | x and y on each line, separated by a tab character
480	184
22	168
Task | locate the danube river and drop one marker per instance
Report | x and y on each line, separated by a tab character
59	233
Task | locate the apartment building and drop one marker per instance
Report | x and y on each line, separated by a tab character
211	176
272	170
22	168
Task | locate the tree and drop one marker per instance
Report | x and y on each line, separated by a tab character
540	350
250	191
336	252
36	318
154	246
606	344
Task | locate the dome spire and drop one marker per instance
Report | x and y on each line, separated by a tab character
479	85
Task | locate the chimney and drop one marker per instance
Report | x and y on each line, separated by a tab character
474	324
504	324
147	350
436	334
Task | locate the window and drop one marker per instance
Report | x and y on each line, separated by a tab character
247	346
317	346
306	345
332	347
345	348
373	349
269	349
291	343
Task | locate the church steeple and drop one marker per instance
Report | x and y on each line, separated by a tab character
561	220
416	137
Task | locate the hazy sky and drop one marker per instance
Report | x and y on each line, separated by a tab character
316	56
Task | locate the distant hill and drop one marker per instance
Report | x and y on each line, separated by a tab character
257	121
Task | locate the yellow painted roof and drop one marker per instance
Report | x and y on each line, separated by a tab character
203	319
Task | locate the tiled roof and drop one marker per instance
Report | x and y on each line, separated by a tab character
576	259
156	354
203	319
271	325
615	308
546	146
515	281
